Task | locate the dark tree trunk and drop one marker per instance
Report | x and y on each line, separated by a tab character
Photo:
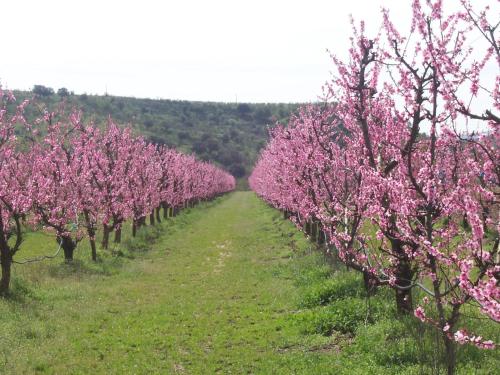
142	221
314	231
404	276
321	237
134	228
450	355
68	246
307	227
370	284
152	218
158	216
166	210
118	234
105	236
6	260
404	302
91	233
93	249
449	344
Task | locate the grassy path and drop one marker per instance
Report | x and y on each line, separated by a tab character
206	299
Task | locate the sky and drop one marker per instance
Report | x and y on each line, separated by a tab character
213	50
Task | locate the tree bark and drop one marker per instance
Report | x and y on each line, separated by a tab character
314	231
307	227
93	249
91	233
134	228
321	237
68	246
370	284
6	260
118	234
404	276
450	355
158	216
152	218
105	236
166	210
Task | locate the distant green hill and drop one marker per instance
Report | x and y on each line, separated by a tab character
229	134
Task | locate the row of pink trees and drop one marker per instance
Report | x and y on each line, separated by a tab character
401	165
73	178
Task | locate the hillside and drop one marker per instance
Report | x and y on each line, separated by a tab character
229	134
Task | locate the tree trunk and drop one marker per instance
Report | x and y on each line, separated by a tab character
93	249
91	233
370	284
321	237
105	236
449	344
166	210
134	228
118	234
68	246
152	218
404	302
6	260
450	355
307	227
158	216
314	231
404	276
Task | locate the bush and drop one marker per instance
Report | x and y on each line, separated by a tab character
63	92
42	90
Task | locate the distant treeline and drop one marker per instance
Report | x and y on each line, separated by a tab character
229	134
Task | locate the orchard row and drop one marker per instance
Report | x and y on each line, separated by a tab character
73	178
400	167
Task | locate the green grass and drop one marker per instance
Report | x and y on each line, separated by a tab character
203	299
226	287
